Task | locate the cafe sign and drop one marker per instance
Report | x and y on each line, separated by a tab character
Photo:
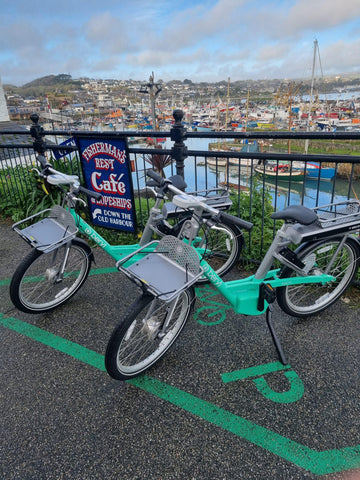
107	170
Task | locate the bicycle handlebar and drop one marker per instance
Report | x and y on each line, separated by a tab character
54	177
195	202
92	194
158	179
167	183
236	221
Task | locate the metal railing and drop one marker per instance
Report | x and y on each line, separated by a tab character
191	157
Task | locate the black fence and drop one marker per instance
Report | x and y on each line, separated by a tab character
242	161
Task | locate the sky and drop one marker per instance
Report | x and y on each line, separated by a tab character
200	40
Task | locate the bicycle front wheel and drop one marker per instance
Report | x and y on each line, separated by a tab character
308	299
39	284
147	331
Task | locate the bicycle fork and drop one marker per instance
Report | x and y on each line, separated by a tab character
56	275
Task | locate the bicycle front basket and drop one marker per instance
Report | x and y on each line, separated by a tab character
56	227
172	267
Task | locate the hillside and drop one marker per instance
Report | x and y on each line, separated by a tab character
40	86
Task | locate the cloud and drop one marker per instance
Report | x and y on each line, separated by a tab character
205	39
295	18
107	33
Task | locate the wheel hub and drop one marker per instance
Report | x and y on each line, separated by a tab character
51	275
151	327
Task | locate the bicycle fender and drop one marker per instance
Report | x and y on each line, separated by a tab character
301	247
83	244
304	245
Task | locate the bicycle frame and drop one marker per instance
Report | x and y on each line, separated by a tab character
244	294
117	252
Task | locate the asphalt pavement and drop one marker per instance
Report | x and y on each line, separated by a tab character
218	406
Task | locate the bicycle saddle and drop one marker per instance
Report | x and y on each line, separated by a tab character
297	214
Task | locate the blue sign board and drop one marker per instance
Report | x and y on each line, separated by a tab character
106	167
61	153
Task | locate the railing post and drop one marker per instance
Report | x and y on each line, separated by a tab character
177	135
37	132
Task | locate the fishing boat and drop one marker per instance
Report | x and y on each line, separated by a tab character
217	162
203	127
314	169
281	171
246	162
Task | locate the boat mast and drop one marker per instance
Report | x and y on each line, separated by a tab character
227	104
247	109
311	94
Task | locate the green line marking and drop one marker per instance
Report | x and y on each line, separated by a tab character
320	463
100	271
257	371
295	392
94	271
58	343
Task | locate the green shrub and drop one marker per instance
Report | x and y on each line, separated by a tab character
256	207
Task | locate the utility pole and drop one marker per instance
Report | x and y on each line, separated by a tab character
153	89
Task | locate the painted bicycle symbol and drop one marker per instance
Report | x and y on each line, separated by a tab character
212	313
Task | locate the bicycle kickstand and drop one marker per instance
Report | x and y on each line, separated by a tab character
275	338
266	292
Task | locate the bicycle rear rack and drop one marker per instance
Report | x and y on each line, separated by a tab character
171	268
335	214
333	219
56	227
215	197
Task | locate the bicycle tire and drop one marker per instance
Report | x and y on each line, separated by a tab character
137	342
309	299
221	244
35	286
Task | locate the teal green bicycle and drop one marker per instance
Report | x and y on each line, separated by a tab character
59	262
311	277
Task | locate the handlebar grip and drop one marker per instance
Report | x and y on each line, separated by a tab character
95	195
236	221
43	161
158	179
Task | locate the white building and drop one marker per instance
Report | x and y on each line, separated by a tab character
4	114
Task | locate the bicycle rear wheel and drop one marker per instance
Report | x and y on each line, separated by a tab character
147	331
309	299
37	285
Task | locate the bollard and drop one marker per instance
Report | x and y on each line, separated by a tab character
177	135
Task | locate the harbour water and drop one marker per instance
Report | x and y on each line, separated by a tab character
200	176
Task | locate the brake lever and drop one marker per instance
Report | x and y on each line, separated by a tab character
76	199
36	170
80	200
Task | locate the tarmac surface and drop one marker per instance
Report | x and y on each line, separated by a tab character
219	405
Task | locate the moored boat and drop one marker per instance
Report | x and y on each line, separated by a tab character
217	162
314	169
280	172
246	162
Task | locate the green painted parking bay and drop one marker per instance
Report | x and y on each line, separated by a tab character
305	413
